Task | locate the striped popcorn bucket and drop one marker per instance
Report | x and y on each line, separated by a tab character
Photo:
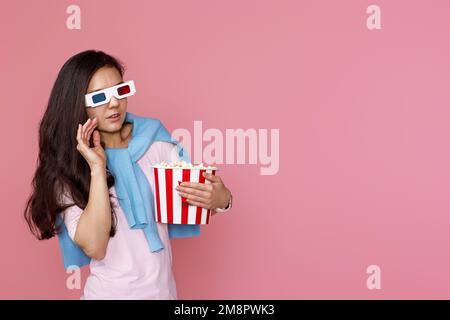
170	207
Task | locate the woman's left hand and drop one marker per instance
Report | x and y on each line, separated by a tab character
210	196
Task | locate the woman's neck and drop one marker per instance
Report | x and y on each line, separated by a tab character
118	139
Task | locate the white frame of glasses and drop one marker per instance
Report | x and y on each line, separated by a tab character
109	92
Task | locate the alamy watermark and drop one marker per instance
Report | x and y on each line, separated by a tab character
374	279
373	22
73	281
73	21
235	146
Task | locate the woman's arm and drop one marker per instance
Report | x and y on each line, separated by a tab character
92	233
94	226
225	209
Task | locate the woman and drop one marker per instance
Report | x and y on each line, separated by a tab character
78	178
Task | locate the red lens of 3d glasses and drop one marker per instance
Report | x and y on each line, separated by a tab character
123	90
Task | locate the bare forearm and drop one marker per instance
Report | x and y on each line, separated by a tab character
93	229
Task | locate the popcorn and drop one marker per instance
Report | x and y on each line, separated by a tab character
183	165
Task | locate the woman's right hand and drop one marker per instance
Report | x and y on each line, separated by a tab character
95	156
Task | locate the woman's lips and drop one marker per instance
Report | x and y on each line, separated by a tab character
116	118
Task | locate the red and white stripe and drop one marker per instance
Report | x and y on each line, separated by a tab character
169	206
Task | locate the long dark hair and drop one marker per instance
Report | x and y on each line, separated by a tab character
60	165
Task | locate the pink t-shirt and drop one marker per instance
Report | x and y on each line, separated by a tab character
129	269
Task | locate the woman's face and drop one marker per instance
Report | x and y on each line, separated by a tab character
104	78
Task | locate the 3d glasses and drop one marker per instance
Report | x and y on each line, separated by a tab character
120	91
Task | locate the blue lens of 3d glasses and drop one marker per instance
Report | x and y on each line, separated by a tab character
98	98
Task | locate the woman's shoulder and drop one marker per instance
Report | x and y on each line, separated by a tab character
160	151
145	122
162	145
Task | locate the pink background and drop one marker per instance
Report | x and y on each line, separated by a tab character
363	116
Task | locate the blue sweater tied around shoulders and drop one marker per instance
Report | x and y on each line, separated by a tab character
133	190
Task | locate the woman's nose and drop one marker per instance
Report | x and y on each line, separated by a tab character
114	102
